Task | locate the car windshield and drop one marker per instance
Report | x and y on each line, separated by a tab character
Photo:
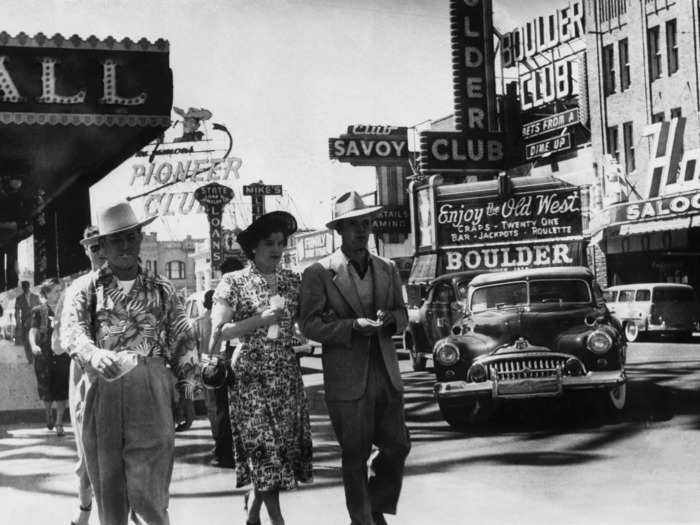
542	291
672	293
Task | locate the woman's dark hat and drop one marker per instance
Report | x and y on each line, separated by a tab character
275	220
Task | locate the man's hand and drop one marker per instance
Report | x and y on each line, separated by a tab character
36	350
365	326
105	363
385	318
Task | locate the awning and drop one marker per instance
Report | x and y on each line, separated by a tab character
681	223
424	269
73	108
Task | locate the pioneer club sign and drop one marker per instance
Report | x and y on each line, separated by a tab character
369	145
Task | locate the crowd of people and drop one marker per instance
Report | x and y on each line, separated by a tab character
134	352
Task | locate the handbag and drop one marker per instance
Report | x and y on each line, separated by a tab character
216	368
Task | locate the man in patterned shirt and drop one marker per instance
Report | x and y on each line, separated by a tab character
124	316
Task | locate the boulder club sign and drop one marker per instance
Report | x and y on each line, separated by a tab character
475	146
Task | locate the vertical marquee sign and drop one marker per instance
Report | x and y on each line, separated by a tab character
214	197
475	147
257	192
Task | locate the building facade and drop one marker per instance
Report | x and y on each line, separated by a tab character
171	259
645	101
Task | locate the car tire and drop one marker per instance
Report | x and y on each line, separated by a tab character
418	361
617	398
465	417
631	332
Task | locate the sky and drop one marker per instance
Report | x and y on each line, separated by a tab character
286	75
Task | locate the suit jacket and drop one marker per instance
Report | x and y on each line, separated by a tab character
329	304
23	309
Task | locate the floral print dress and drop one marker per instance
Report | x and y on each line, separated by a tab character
267	402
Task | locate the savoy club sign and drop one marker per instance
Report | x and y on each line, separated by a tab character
525	217
365	145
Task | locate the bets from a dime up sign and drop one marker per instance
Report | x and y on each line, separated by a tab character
214	197
475	147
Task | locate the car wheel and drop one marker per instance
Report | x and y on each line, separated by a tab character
418	361
618	397
631	332
467	416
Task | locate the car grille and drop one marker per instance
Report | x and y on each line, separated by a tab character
509	369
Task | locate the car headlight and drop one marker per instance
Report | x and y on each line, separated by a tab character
446	354
599	342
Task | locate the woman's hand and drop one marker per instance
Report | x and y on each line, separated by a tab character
36	350
105	363
272	316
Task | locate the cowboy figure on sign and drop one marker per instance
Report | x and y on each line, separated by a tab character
191	120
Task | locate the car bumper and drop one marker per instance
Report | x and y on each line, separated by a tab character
529	388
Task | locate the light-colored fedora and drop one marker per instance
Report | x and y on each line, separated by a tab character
90	235
118	218
351	206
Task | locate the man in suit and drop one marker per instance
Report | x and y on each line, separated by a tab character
352	303
24	304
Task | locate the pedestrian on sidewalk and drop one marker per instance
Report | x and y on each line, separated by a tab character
24	304
217	398
268	409
51	368
352	303
79	381
124	324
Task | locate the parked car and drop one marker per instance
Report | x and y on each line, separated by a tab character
529	334
433	319
654	308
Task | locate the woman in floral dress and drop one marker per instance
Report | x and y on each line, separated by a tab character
267	403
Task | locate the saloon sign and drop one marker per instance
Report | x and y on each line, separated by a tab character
365	145
525	217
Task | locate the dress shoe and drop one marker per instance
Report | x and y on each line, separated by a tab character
378	518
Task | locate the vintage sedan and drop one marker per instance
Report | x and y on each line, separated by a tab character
529	334
433	318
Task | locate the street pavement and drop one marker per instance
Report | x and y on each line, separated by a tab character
536	463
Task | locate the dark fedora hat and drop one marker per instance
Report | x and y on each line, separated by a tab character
274	221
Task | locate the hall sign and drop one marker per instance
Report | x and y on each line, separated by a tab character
512	257
371	145
475	146
531	216
548	146
551	123
86	82
543	33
